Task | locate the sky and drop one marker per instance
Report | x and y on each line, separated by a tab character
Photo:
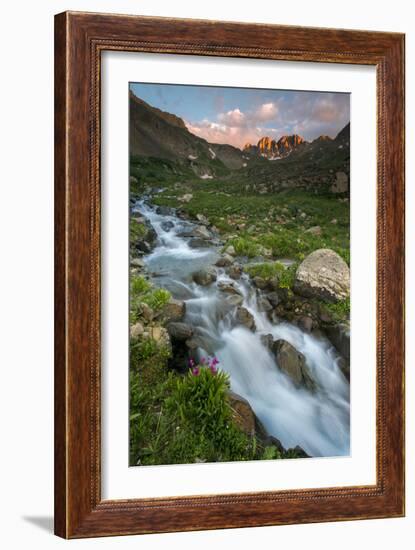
243	115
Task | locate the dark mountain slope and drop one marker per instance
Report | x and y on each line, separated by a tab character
310	165
155	133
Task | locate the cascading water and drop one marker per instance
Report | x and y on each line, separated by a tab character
317	421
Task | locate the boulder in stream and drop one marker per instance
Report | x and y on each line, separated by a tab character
225	260
339	336
180	331
263	304
234	271
174	310
205	277
293	364
228	287
245	318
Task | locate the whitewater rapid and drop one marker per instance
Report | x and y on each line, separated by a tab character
319	421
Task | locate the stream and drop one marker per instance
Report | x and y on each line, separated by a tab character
317	421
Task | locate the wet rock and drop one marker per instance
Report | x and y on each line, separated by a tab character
198	341
267	340
143	246
242	413
234	300
293	364
245	318
167	225
201	232
323	275
199	243
198	232
228	287
273	298
234	271
174	310
230	250
165	210
305	323
344	366
225	260
205	277
339	336
263	304
136	330
180	331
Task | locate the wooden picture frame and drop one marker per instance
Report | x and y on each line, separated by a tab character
79	40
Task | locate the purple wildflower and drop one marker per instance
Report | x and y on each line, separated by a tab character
195	371
213	369
191	363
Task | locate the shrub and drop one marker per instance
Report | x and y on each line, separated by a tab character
245	246
339	311
157	299
268	270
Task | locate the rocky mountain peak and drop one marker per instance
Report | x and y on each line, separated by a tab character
270	148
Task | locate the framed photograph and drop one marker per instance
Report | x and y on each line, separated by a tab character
229	275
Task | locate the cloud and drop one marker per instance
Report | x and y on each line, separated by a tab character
237	136
308	114
234	118
266	112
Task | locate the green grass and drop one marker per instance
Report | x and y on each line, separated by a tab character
276	218
339	311
137	230
270	270
142	291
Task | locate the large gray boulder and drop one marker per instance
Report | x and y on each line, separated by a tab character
293	364
323	275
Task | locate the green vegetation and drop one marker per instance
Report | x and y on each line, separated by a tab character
143	292
184	419
177	418
137	230
339	311
276	221
270	270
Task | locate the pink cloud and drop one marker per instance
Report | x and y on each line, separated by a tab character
222	133
266	112
233	118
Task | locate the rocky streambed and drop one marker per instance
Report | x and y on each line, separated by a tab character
287	361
